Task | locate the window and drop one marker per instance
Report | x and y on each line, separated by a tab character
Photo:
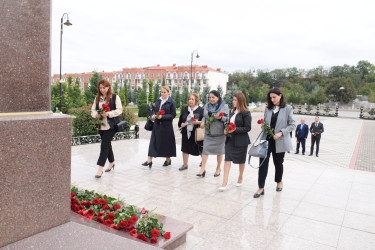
163	74
158	75
152	74
147	75
186	75
179	81
169	75
133	75
180	74
142	75
203	75
175	81
174	75
204	81
132	87
197	75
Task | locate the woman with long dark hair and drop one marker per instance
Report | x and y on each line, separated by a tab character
109	120
236	144
279	116
162	142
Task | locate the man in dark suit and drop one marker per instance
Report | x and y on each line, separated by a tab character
302	132
316	131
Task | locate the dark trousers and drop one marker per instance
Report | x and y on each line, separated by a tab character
278	159
313	140
106	147
303	143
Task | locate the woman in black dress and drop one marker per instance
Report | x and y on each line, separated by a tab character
162	142
236	145
190	119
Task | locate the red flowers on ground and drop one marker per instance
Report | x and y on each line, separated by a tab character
154	240
167	235
108	222
101	213
155	232
90	212
96	201
142	237
100	220
133	219
103	201
114	227
144	211
72	194
116	206
106	207
123	224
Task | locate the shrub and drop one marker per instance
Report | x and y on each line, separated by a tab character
83	123
183	106
129	116
142	110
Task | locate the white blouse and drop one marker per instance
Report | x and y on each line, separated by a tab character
233	118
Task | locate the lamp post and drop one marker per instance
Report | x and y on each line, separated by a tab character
341	91
67	23
191	66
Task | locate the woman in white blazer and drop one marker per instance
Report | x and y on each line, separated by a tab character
279	116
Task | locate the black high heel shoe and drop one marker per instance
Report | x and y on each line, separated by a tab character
258	195
109	169
167	163
202	175
146	163
98	176
216	175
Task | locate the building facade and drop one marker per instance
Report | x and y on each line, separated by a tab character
175	76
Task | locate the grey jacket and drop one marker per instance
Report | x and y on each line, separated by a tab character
217	127
286	124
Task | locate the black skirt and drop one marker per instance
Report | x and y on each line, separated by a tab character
237	155
189	146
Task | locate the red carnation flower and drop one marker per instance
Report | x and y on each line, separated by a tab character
155	232
123	224
106	107
100	219
193	119
144	211
167	235
88	203
133	219
142	237
161	112
221	114
80	207
108	222
80	212
114	226
106	207
83	203
72	194
154	240
133	231
84	212
116	206
129	228
91	212
96	201
101	213
103	201
111	216
90	217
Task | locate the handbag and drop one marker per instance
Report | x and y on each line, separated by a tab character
258	149
149	125
199	134
121	126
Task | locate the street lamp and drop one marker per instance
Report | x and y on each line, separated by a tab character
67	23
191	66
341	91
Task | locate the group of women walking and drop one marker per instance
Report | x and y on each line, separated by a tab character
220	141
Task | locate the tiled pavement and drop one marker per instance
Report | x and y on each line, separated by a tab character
324	204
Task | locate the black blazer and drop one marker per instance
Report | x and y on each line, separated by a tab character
243	126
314	129
184	114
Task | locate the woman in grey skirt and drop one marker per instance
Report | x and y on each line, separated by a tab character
214	139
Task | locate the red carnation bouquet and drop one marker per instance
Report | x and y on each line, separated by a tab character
211	120
99	121
160	113
316	133
267	129
229	128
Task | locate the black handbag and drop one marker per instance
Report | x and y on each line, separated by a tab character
258	149
121	126
149	125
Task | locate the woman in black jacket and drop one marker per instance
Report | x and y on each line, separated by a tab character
236	144
162	142
190	119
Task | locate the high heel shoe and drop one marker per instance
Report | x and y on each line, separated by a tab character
203	174
98	176
222	189
258	195
109	169
279	189
167	163
146	163
216	175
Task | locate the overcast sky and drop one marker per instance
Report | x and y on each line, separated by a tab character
235	35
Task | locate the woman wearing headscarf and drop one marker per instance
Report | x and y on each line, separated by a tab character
216	111
190	118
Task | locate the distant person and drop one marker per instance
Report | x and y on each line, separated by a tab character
190	119
279	116
162	142
302	132
109	119
236	145
316	130
214	139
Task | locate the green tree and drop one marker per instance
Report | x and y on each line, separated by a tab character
185	94
115	89
55	96
204	95
91	90
163	82
220	90
151	94
334	93
173	92
228	98
142	103
196	89
157	92
76	98
178	99
123	95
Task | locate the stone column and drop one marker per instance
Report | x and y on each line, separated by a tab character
35	144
